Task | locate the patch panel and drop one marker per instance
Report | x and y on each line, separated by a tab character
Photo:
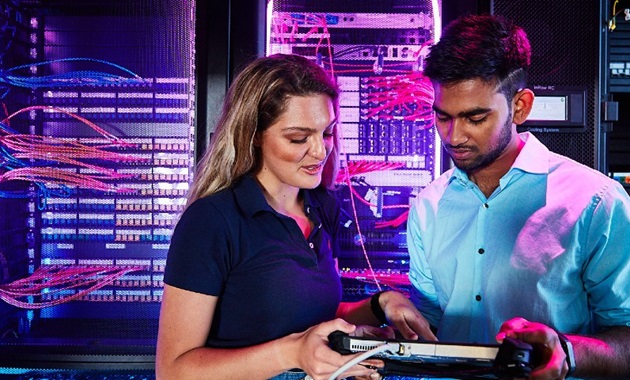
385	114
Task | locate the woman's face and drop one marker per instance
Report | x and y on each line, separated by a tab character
294	149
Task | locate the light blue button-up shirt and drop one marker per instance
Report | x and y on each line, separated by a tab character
551	244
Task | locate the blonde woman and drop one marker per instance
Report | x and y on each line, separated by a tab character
252	289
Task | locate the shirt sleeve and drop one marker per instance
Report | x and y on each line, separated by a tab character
423	293
199	255
607	271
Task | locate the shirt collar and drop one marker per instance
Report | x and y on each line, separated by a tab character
533	158
249	195
251	199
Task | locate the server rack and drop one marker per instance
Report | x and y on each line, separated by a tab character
390	150
617	68
144	129
98	144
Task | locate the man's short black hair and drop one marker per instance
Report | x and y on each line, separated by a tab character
481	46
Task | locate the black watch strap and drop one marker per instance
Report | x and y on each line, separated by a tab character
567	346
376	308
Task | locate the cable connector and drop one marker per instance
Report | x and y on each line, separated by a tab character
392	347
378	64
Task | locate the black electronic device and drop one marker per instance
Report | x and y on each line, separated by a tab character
511	359
557	109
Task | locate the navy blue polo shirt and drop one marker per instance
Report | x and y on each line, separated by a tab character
270	280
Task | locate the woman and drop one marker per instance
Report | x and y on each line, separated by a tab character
251	283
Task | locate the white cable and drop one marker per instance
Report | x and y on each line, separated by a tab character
363	356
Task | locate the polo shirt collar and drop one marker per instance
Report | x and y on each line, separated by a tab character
251	199
249	195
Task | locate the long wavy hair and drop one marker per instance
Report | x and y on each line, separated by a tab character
256	99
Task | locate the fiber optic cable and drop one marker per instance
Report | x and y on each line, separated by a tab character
83	120
69	79
398	93
56	279
32	158
355	168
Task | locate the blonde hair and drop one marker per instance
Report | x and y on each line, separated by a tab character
254	102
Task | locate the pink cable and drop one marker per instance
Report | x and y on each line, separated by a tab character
55	279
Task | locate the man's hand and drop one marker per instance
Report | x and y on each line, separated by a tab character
545	340
401	313
366	331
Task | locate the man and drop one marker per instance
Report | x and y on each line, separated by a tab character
516	240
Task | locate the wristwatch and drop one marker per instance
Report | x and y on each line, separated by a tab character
567	346
375	305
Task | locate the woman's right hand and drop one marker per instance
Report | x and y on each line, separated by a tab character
311	352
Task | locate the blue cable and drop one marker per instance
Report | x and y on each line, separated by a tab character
73	60
74	78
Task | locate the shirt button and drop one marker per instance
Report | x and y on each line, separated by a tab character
311	245
485	205
478	297
481	251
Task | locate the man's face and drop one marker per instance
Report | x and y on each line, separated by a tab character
474	121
